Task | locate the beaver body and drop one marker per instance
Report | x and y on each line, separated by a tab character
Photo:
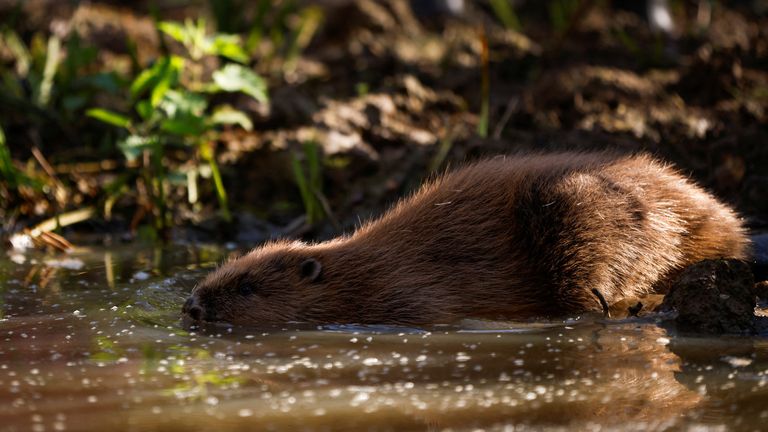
512	237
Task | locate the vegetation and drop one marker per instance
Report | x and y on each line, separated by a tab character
174	103
171	108
158	122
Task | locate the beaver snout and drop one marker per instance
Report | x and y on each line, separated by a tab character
193	309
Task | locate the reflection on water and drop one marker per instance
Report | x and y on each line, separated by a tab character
94	342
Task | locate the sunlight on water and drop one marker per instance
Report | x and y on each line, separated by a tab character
93	341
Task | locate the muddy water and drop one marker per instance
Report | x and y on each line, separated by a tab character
93	341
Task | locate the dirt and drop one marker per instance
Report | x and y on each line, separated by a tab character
392	98
704	109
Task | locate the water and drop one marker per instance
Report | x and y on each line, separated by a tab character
93	341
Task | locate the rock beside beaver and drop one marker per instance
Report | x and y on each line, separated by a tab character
512	237
714	296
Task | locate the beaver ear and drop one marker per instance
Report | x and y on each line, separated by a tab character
310	269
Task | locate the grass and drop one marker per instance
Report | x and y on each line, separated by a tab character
485	86
506	14
13	177
308	177
562	13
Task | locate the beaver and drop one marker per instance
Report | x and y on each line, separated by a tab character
511	237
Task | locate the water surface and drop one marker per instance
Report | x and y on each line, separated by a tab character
93	341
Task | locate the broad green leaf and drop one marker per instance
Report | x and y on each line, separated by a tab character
174	30
229	46
183	102
184	124
238	78
133	145
191	34
166	70
109	117
143	81
185	113
144	108
158	93
229	115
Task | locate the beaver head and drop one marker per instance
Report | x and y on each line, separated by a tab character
271	284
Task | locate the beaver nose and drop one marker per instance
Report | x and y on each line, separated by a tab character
193	309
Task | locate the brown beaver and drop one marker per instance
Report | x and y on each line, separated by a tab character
510	237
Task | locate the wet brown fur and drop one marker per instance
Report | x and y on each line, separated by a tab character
510	237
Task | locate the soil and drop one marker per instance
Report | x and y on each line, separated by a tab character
392	97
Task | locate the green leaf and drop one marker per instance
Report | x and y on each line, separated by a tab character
144	108
183	102
164	73
134	145
229	115
109	117
143	81
174	30
191	34
229	46
52	60
184	124
506	14
158	93
185	113
237	78
18	51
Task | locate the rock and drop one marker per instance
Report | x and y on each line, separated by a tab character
761	290
714	296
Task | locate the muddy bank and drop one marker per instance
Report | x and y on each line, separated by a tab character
391	97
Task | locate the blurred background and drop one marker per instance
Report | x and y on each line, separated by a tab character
243	120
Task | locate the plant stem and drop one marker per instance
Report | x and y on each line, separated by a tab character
485	85
206	151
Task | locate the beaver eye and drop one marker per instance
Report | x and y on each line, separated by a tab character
245	288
